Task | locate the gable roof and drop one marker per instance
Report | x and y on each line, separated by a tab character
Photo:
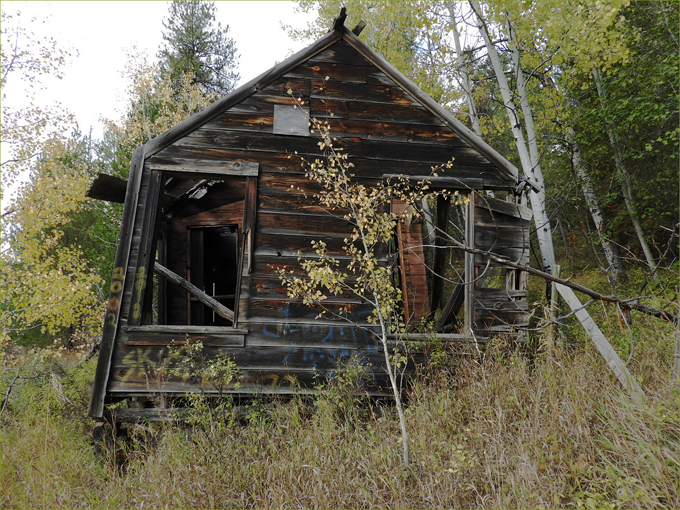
339	33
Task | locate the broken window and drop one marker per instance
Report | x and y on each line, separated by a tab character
196	236
448	276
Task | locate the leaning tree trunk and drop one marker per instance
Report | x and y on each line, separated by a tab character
530	166
611	250
532	170
623	176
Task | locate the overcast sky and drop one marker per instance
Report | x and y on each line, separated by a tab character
102	33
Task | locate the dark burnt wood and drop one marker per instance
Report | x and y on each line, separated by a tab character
109	188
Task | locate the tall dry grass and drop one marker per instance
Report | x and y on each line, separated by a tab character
502	430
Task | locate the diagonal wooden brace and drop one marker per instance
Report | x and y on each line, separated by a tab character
211	303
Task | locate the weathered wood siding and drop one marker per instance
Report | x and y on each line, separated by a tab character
278	341
500	293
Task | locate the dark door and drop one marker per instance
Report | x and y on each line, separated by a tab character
213	268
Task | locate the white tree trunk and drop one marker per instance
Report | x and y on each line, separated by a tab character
465	78
623	176
611	251
615	363
531	170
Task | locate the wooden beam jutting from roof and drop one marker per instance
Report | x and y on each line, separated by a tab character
109	188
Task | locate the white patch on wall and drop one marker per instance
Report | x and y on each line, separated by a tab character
291	120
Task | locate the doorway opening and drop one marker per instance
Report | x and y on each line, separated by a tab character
213	267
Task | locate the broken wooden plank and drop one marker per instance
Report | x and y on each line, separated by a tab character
140	302
109	188
194	168
211	303
453	306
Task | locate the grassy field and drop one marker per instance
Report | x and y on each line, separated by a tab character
507	429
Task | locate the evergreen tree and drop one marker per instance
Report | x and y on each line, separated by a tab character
194	45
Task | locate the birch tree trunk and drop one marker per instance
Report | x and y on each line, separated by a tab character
623	176
611	250
531	169
465	77
530	165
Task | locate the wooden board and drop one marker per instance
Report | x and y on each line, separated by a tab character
504	229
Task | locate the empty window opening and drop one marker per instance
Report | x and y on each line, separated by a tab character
445	226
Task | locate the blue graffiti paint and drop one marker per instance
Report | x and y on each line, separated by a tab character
347	335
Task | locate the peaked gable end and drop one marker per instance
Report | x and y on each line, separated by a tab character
381	124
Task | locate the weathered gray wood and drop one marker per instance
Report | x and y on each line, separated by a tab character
291	120
462	130
186	330
613	360
199	149
211	303
177	339
194	168
118	282
140	301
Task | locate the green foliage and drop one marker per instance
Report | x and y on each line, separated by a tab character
634	43
194	46
156	103
190	362
46	278
28	131
642	105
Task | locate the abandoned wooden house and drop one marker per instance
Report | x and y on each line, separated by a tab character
214	205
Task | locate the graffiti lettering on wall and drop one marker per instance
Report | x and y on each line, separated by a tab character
140	360
275	378
113	306
342	338
140	285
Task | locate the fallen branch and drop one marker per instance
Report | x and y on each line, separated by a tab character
623	303
566	288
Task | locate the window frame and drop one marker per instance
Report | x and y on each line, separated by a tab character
140	305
